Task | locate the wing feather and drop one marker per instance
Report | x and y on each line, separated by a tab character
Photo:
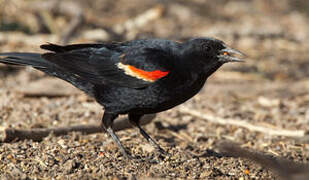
134	67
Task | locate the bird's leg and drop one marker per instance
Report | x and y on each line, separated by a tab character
107	122
134	120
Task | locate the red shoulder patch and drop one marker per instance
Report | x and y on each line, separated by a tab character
141	74
149	75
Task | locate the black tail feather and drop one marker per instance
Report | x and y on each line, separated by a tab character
35	60
27	59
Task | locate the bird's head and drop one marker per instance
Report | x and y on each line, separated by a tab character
209	54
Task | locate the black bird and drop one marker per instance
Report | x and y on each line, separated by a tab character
135	77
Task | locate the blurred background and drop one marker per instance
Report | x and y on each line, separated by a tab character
271	89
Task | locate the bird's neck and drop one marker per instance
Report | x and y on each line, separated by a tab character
209	70
197	66
190	59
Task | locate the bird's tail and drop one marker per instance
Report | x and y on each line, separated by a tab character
27	59
35	60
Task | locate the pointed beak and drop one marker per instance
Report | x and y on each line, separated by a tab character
231	55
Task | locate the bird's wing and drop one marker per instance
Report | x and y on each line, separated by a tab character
134	67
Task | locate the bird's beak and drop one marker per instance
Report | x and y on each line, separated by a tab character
231	55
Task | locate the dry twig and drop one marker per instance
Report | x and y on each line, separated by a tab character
70	8
131	26
10	134
244	124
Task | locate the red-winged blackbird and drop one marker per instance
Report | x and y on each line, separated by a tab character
136	77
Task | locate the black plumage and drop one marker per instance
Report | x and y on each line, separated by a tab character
136	77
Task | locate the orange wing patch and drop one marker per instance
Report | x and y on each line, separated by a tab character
150	76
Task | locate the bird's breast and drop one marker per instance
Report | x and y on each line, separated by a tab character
158	97
165	96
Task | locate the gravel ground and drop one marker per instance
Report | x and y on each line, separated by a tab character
270	90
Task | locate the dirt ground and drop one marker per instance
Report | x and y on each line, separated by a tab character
270	90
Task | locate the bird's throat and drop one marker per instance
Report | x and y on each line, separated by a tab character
211	68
